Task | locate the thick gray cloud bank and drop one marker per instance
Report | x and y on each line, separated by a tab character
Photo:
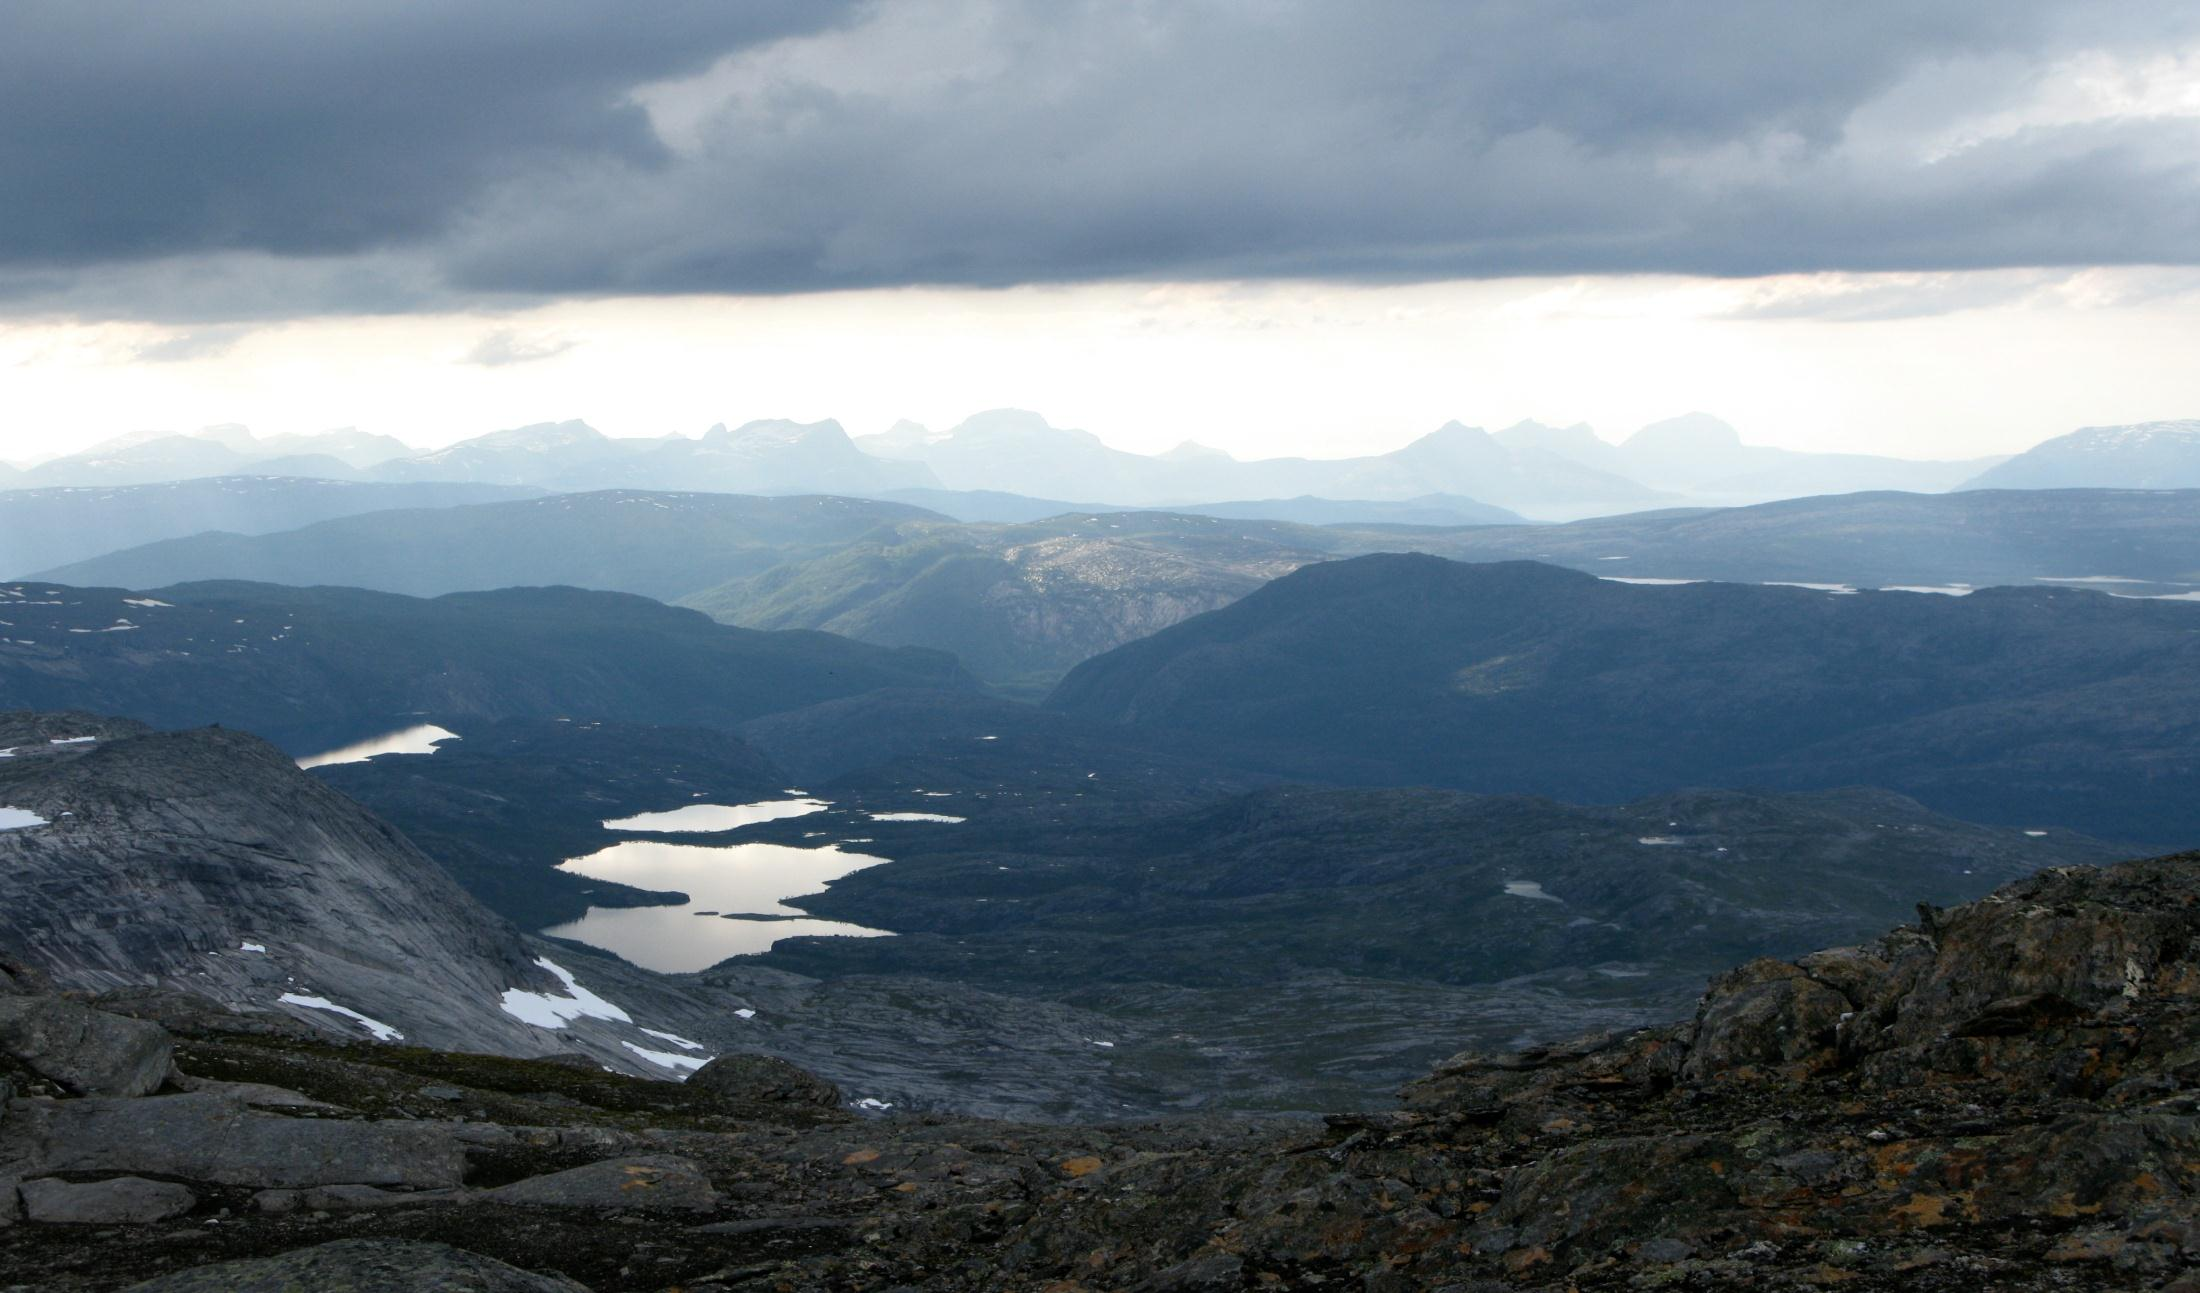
258	156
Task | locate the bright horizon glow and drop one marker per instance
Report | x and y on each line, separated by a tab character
1921	366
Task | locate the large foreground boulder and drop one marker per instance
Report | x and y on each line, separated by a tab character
122	1200
764	1079
363	1266
88	1051
206	1137
640	1183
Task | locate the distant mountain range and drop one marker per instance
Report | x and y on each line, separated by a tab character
65	523
2150	455
150	457
1703	458
2133	541
1455	474
1553	473
1021	603
2026	706
656	544
1429	509
1019	452
773	457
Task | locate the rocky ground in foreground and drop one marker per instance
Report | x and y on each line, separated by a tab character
2004	1095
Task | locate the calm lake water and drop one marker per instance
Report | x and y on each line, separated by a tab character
735	892
420	738
705	818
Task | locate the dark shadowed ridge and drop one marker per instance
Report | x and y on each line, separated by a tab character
276	660
2020	706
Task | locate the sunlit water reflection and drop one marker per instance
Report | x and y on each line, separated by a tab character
735	900
422	738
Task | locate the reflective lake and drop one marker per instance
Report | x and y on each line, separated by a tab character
702	818
735	900
420	738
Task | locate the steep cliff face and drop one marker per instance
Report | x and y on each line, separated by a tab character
205	861
2005	1095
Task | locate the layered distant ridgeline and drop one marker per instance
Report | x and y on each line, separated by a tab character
2020	706
1021	603
2139	541
2149	455
1550	473
657	545
280	660
40	528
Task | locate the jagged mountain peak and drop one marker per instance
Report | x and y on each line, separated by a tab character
767	432
544	434
1531	434
1694	431
1194	451
1011	425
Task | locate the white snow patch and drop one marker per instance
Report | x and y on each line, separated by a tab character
1946	590
675	1038
382	1032
1529	889
15	819
72	740
252	947
2035	834
878	1106
745	1013
1836	589
145	601
546	1011
914	817
666	1059
1659	839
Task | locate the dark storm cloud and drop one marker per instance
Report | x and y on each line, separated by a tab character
320	126
498	152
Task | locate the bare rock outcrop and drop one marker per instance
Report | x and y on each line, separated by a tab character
766	1079
2004	1095
88	1051
362	1266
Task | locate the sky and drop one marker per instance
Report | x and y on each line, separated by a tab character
1929	229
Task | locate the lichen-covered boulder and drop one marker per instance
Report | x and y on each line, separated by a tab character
1766	1014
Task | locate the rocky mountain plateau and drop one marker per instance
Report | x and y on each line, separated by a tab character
2001	1095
